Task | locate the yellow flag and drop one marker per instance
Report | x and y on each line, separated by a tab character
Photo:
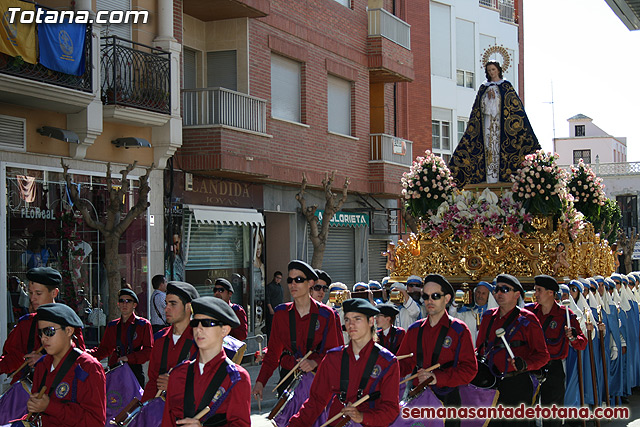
18	39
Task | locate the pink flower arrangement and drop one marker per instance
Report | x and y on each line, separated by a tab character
427	184
540	184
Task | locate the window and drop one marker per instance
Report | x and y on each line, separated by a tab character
462	127
339	105
465	53
285	88
629	207
580	130
465	78
345	3
585	155
441	135
222	69
189	68
440	40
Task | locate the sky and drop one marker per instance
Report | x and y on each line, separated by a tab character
590	57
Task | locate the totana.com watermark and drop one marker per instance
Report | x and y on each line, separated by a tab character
48	16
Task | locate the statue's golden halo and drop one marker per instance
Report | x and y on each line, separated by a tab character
502	51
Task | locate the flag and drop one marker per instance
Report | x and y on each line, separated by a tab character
62	47
17	39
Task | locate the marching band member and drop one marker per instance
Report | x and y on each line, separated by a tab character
321	287
75	381
352	371
558	336
222	289
126	339
298	327
439	338
211	380
337	308
174	344
525	336
23	341
389	336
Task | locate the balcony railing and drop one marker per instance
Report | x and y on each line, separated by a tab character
16	66
388	148
626	168
385	24
135	75
505	7
220	106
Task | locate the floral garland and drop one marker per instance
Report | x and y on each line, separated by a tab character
587	190
540	184
69	255
427	184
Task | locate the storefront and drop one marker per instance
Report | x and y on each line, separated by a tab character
43	229
214	229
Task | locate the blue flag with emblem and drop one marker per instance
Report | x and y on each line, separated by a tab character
62	47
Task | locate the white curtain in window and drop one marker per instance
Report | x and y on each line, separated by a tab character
285	88
339	105
465	41
440	40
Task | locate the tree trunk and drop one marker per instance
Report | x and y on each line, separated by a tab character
112	265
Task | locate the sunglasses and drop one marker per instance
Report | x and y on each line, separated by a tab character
48	331
296	279
125	301
320	288
206	323
434	296
218	290
504	289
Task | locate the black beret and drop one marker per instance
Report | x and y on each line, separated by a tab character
216	308
128	292
359	305
309	272
224	283
58	313
510	280
440	280
547	282
183	290
322	275
45	276
388	309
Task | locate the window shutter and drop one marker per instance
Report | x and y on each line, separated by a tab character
285	88
339	102
13	133
189	63
339	255
120	30
377	263
222	69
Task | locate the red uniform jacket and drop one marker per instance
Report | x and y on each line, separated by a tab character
241	331
236	404
457	357
325	388
17	344
392	340
325	338
138	351
524	335
554	330
173	355
80	399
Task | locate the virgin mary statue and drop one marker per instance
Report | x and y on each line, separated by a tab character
498	135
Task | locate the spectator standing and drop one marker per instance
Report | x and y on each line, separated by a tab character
158	303
274	296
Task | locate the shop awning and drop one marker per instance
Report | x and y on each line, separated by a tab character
226	216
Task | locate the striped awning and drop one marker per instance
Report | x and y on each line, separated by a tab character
226	216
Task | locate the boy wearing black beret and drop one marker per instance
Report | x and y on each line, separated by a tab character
75	381
389	336
23	341
128	338
211	380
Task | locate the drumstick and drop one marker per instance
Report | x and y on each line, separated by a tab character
25	363
293	370
42	390
258	396
404	356
340	414
414	376
500	334
202	413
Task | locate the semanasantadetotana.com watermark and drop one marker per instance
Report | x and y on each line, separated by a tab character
46	16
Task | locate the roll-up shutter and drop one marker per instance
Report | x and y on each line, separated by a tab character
189	69
377	263
120	30
222	69
339	255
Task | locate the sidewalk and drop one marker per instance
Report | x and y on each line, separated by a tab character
269	397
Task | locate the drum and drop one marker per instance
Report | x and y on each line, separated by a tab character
13	403
149	415
234	348
296	394
426	399
484	378
476	397
122	388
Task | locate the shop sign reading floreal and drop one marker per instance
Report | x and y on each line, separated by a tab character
346	219
37	213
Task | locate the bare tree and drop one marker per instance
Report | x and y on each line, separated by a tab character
320	234
114	225
627	244
409	220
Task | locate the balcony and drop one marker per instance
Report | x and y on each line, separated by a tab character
223	107
505	7
389	47
390	158
609	169
217	10
34	85
135	76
